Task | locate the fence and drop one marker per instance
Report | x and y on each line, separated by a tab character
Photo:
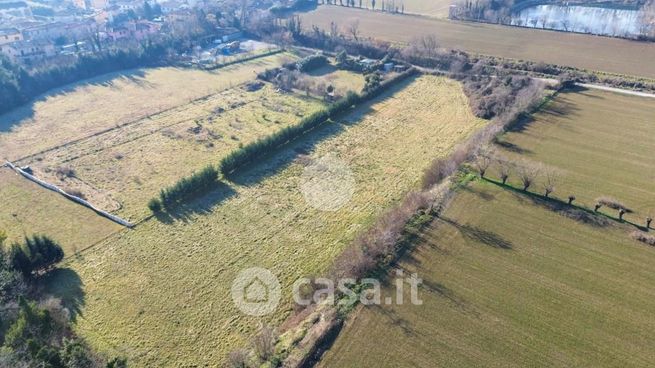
73	198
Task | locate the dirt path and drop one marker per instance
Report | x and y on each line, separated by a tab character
617	90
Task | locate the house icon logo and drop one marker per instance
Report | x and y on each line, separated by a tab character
256	291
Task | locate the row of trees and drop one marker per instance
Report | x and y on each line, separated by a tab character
18	86
265	145
185	189
35	329
531	174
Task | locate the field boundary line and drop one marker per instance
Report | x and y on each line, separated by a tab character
73	198
158	130
131	122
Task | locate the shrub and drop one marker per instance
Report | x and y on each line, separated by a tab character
155	205
643	237
264	343
311	63
238	359
613	204
38	253
185	189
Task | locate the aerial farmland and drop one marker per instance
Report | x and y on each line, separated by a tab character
328	184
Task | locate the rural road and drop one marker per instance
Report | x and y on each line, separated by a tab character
582	51
617	90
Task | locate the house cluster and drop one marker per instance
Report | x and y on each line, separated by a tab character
31	32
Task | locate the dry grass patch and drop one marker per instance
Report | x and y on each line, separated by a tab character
30	209
84	108
161	294
121	170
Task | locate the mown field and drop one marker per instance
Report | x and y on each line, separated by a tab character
121	170
577	50
160	294
507	282
29	209
430	8
80	110
600	143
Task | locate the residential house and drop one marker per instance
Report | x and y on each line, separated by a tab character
28	51
15	9
229	34
9	35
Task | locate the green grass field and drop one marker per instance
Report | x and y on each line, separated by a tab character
507	282
160	294
577	50
29	209
600	143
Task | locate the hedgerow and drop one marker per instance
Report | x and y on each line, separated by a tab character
184	189
265	145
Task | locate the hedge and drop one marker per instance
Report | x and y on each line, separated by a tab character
184	189
265	145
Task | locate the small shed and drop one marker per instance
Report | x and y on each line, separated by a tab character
388	67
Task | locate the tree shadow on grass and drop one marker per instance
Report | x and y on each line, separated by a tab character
202	205
322	71
26	111
65	284
395	319
482	194
511	147
272	163
574	212
480	235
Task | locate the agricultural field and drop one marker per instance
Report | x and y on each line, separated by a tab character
430	8
611	136
160	294
82	109
577	50
508	282
29	209
121	170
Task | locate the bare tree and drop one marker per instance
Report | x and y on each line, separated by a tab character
429	45
264	343
353	29
528	173
565	24
504	168
483	161
334	30
551	177
238	359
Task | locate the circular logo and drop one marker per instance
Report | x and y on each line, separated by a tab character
327	184
256	291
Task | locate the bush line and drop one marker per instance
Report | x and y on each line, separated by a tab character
265	145
185	189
